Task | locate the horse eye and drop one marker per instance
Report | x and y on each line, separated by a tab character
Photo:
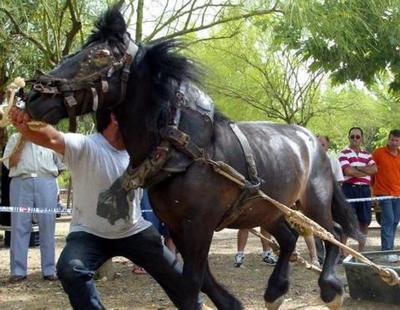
102	57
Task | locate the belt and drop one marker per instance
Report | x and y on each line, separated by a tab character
356	185
34	175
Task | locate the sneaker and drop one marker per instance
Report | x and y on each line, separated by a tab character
269	259
316	263
239	258
392	258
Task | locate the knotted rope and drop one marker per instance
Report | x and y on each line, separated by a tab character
5	108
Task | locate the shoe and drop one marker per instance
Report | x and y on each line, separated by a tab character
392	258
239	258
269	259
16	279
316	263
340	259
51	277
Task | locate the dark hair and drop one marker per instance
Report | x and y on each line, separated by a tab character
103	118
352	128
395	133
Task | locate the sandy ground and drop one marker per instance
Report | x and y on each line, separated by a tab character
130	291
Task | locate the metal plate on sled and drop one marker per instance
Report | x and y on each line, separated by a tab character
365	283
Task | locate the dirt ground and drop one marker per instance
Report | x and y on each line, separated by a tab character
130	291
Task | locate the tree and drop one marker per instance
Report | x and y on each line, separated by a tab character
353	39
252	71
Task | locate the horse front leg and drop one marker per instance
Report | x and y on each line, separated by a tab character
220	296
197	236
278	283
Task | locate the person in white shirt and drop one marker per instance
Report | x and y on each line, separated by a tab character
33	172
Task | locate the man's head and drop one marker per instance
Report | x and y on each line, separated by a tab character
103	119
324	140
355	137
394	139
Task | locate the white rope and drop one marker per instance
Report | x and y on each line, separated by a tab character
34	210
69	211
42	211
372	198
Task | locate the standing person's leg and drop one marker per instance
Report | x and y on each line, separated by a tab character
387	220
242	237
364	214
46	198
396	217
310	242
267	255
21	227
82	255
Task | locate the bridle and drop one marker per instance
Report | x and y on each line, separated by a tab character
96	83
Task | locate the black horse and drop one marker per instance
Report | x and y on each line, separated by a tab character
176	143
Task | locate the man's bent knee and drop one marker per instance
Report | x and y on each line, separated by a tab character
73	270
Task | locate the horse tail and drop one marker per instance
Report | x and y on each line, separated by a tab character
343	214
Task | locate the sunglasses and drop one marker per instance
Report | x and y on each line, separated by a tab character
355	137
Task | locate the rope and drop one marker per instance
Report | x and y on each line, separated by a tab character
387	275
12	209
5	108
34	210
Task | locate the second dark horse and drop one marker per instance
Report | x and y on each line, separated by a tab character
154	87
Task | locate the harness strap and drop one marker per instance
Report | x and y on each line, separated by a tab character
251	187
248	154
181	141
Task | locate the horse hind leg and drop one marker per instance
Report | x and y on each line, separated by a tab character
316	204
278	283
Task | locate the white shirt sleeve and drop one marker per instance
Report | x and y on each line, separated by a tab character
337	170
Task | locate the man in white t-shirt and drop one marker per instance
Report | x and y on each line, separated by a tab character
95	162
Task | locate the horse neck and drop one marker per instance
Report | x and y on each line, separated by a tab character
138	138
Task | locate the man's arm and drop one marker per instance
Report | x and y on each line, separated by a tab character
360	171
368	170
47	136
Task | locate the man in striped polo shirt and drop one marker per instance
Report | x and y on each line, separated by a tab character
358	167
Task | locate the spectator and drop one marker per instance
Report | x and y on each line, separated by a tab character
33	172
358	167
339	178
387	182
335	164
267	255
96	235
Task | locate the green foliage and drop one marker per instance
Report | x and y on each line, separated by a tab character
353	39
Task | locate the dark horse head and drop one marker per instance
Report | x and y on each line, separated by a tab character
87	80
111	72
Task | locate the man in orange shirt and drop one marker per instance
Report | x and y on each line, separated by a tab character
387	182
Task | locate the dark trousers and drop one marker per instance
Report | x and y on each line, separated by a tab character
84	253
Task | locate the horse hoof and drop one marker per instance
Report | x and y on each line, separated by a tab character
336	303
274	305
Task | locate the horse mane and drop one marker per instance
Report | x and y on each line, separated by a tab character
164	58
165	61
109	26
